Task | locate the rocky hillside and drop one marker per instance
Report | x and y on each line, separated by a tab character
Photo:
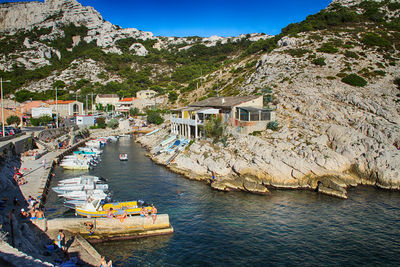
335	83
46	42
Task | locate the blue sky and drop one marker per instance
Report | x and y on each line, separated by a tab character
205	18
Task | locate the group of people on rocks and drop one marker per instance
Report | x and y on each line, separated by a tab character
19	177
33	211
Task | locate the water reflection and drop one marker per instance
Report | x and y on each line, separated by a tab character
217	228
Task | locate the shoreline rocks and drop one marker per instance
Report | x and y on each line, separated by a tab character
255	165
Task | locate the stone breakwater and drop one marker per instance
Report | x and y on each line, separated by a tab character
254	164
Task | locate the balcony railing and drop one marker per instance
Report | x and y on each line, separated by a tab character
186	121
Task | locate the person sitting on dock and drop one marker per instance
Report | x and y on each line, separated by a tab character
39	214
153	213
122	217
33	214
103	262
144	212
110	213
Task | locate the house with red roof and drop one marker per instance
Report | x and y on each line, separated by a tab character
66	108
125	104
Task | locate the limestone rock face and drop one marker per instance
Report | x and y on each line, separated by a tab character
139	49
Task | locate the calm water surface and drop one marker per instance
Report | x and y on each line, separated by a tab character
221	229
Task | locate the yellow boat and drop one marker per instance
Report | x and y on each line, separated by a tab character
96	209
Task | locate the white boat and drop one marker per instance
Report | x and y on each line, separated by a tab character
73	203
75	165
81	180
78	161
125	135
83	195
79	187
123	157
93	143
91	149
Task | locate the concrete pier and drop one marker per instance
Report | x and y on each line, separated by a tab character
110	229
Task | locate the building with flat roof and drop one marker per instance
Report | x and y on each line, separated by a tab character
245	113
110	99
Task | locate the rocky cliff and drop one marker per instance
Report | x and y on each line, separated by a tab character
333	78
332	134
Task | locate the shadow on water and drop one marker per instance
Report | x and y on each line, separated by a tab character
217	228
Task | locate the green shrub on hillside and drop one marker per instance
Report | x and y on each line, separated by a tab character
394	6
328	48
273	125
299	52
351	54
354	80
214	128
154	117
397	82
373	39
172	96
319	61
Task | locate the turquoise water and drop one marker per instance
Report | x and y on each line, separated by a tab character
221	229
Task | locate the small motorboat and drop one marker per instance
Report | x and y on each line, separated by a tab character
83	195
123	157
75	165
79	187
97	209
84	179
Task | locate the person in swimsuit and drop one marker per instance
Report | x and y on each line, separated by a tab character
39	214
153	213
144	212
61	240
33	214
110	213
103	262
122	217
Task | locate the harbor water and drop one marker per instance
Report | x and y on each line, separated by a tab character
214	228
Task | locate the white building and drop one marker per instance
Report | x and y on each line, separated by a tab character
41	111
85	120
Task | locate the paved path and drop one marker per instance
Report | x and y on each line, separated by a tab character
35	174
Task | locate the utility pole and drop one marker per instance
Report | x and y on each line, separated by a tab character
86	106
56	109
2	104
91	108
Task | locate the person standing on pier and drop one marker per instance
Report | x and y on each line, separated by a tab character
153	213
61	240
44	163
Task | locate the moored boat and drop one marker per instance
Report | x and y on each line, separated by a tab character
123	157
97	209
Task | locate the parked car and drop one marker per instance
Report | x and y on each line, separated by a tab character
10	130
6	133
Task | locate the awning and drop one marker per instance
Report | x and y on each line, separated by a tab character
209	111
